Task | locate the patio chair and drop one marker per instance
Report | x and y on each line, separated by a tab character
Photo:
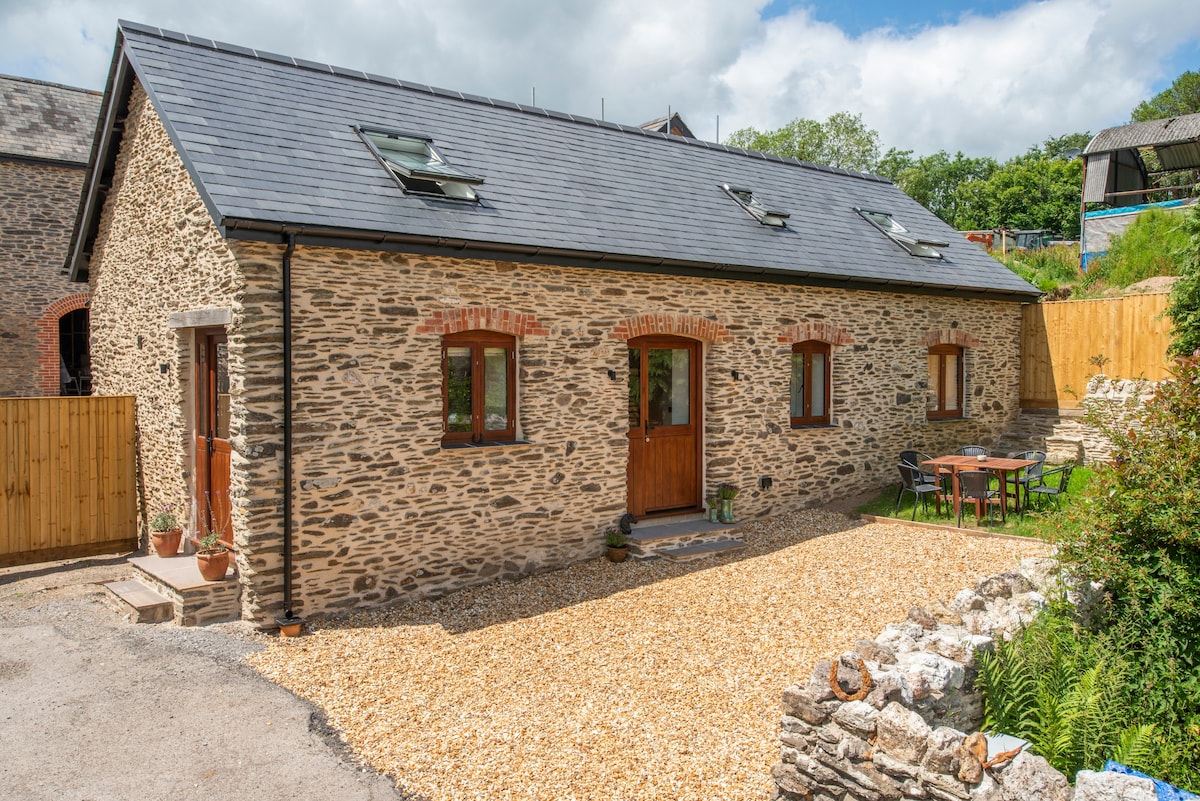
974	450
929	475
1026	477
911	482
975	486
1054	484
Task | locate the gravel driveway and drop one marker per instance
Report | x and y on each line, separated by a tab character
96	709
615	682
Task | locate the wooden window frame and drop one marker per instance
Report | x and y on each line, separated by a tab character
812	347
939	390
477	341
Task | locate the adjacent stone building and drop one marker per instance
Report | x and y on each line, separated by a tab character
396	340
45	138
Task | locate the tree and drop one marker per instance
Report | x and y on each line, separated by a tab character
841	141
1040	189
1181	97
933	181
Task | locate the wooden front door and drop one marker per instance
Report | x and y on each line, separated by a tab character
664	425
212	435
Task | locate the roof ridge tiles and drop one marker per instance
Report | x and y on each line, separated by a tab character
328	69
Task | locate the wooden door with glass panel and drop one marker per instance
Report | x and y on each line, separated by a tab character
664	425
213	509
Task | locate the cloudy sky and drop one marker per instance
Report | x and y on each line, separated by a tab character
987	77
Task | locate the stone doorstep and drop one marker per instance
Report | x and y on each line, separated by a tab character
137	603
195	601
647	541
700	550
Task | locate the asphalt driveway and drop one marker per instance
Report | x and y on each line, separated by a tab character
96	709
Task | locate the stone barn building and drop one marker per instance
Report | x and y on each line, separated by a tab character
402	340
45	137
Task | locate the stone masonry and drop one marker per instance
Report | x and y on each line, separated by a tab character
45	134
382	512
905	733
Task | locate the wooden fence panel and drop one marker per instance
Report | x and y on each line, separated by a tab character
1060	343
67	478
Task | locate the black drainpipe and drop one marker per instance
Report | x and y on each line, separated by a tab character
289	621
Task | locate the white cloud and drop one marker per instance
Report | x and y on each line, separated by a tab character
991	86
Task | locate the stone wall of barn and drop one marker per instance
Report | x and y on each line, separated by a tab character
382	511
385	513
157	252
37	206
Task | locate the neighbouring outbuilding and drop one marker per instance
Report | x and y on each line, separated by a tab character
395	340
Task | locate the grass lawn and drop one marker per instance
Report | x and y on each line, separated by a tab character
1042	521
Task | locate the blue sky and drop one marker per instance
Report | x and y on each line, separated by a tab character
989	77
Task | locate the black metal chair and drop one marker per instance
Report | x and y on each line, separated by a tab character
911	482
1054	484
974	450
929	475
1026	477
975	486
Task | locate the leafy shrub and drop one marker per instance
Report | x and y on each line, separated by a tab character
1184	308
1046	268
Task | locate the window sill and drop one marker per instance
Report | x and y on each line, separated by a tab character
814	426
946	419
462	446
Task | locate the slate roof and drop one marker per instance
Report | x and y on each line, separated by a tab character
269	142
46	121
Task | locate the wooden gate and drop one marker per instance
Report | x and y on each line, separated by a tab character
67	478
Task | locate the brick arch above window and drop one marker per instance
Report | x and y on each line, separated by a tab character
49	375
685	325
822	332
488	318
949	336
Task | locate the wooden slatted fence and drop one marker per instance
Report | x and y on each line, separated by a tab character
1061	342
67	478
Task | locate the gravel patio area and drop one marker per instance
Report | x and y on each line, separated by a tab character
621	681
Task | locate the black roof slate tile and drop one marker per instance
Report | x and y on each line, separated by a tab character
270	140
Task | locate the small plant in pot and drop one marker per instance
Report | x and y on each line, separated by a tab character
618	544
725	495
212	557
165	532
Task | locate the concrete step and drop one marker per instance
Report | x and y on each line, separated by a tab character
196	602
648	540
700	550
137	603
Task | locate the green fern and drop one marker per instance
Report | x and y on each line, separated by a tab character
1136	747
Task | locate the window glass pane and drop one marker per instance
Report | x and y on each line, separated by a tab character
635	387
495	386
818	384
458	389
222	427
950	382
668	389
934	375
797	385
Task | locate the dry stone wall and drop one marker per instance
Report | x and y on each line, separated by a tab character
37	206
157	252
898	717
383	512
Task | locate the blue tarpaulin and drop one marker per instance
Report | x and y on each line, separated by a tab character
1166	792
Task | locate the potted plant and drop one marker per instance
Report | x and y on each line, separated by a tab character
711	502
165	532
212	557
618	544
725	495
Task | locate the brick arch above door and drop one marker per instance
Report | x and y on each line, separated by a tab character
488	318
949	336
684	325
822	332
49	375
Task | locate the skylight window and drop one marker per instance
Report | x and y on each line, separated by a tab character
418	166
746	199
900	235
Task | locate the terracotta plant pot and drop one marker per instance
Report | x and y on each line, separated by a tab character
213	565
166	543
290	626
618	554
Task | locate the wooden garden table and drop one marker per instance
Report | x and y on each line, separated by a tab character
995	464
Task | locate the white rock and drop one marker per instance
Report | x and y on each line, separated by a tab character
937	672
1109	786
